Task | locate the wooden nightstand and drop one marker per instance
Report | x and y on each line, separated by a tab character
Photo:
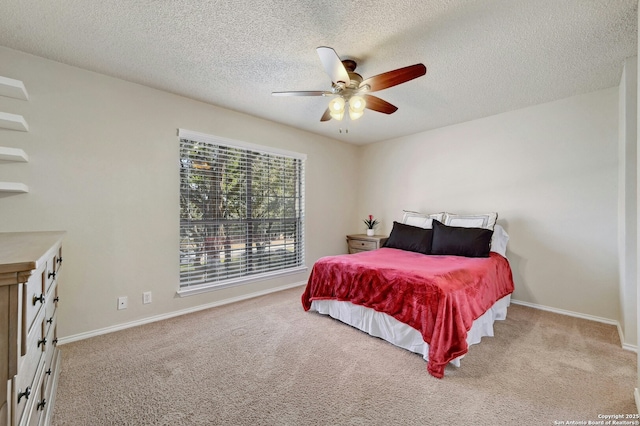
361	242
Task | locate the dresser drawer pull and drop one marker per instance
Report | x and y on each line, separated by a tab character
41	404
50	320
37	299
56	299
52	274
26	394
55	342
48	372
59	260
42	342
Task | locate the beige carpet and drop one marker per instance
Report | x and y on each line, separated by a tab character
267	362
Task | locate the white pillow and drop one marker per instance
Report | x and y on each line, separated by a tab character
485	220
422	220
499	240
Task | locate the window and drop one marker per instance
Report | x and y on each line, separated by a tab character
241	212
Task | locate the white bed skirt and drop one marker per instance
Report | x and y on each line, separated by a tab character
393	331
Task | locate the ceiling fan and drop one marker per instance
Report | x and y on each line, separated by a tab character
348	87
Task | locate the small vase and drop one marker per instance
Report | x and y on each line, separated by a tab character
370	232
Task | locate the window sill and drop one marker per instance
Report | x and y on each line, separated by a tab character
204	288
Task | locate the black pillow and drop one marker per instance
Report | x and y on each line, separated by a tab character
457	241
410	238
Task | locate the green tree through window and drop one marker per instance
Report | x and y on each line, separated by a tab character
241	213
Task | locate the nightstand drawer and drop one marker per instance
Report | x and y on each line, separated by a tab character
362	242
362	245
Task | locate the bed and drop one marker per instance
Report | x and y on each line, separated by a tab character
433	289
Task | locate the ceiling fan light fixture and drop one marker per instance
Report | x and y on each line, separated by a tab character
336	108
357	104
337	115
337	104
354	115
356	107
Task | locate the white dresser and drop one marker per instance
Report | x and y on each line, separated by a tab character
29	359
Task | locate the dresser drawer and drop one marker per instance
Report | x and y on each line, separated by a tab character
24	383
32	301
50	274
33	413
50	339
362	245
53	267
51	370
51	304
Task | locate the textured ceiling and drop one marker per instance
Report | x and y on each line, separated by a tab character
483	57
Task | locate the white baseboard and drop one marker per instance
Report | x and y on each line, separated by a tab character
82	336
636	394
111	329
625	346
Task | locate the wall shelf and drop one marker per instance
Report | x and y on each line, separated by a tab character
13	88
13	154
13	122
13	187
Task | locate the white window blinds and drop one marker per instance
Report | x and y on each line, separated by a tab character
241	211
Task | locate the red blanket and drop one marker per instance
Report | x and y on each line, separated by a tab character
440	296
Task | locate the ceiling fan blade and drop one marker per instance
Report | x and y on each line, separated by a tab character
333	65
326	116
380	105
395	77
303	93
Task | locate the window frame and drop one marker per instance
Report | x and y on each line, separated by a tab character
185	290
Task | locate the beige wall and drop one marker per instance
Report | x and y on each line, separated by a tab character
551	173
104	167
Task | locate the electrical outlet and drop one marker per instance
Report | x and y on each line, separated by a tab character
146	297
122	302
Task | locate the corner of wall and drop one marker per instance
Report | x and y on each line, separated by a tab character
628	202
